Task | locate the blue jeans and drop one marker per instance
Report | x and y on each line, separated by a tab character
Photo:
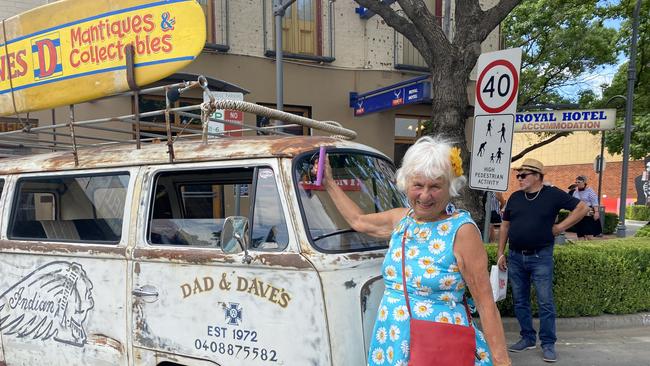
535	267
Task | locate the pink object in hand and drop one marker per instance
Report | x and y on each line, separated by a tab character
321	165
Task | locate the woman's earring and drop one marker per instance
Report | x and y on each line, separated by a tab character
450	208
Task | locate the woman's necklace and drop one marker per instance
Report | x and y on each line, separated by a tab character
532	199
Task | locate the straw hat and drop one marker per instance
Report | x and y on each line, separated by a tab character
532	165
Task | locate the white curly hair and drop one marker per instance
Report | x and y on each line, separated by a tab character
429	157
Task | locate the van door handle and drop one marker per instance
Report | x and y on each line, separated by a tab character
145	291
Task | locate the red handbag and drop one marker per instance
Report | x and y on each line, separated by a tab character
438	344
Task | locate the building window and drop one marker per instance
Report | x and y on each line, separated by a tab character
406	55
10	147
407	130
216	21
307	30
298	130
300	27
180	124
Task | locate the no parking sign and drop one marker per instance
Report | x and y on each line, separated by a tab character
494	118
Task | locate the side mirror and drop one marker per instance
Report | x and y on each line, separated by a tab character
235	237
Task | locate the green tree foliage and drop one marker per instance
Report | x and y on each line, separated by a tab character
640	141
450	58
562	40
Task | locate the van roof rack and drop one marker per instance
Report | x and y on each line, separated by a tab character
47	137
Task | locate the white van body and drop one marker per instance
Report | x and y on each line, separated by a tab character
119	259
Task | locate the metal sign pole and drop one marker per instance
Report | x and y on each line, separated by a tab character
631	76
279	8
486	222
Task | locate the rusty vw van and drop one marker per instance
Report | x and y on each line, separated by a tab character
226	253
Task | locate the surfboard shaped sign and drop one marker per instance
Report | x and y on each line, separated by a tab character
73	51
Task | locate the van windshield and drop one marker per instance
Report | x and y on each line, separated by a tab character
368	180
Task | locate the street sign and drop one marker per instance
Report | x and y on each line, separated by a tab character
415	93
498	82
494	119
566	120
599	164
225	114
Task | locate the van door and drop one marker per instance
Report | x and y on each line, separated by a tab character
193	299
63	272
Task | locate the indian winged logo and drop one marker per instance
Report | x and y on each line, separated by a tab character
52	302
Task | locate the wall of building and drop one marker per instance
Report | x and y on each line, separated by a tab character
325	90
580	147
9	8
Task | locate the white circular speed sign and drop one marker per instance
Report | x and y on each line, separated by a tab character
496	87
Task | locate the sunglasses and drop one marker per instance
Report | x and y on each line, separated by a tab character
523	175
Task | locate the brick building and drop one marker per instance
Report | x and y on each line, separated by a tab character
574	155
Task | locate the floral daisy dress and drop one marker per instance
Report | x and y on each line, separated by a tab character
434	283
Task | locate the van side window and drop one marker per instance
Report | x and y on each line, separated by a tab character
84	208
190	207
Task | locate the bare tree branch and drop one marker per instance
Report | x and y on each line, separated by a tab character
425	22
494	16
538	145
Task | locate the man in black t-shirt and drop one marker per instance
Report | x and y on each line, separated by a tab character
528	225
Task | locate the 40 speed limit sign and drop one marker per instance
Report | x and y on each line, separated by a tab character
498	82
494	119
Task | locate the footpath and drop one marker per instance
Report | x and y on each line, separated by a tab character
606	340
610	347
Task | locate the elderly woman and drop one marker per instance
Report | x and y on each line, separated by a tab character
443	255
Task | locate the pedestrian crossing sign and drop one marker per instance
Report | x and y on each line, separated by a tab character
491	152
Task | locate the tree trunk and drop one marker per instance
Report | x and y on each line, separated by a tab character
449	103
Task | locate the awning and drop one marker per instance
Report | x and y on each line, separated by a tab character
412	91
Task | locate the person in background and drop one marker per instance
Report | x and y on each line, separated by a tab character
571	188
444	255
589	226
497	202
529	228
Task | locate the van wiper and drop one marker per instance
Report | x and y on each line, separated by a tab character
336	232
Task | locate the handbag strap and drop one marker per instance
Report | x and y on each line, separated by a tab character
406	294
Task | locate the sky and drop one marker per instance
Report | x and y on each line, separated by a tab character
600	76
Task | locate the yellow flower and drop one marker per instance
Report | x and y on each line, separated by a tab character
456	161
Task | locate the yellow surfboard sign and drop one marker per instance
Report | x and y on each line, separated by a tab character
72	51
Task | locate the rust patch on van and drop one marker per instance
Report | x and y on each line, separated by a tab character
285	260
102	340
297	145
193	256
64	248
365	256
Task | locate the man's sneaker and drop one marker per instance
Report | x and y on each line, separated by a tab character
548	352
522	345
